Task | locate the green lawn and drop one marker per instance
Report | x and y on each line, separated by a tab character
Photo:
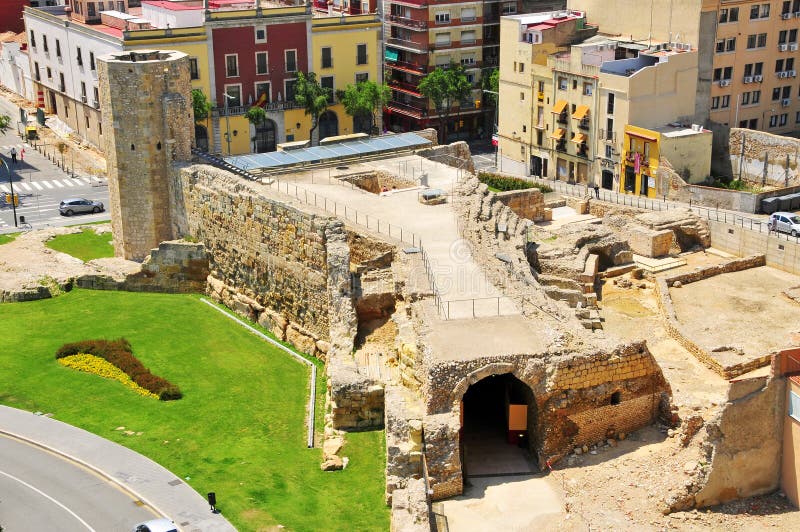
239	429
9	237
86	245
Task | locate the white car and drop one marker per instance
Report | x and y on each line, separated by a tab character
785	222
156	525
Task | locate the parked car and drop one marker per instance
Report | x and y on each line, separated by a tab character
785	222
156	525
71	206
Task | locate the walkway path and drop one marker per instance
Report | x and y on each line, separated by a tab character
150	482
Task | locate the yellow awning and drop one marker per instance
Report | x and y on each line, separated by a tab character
558	134
558	108
644	136
581	112
579	138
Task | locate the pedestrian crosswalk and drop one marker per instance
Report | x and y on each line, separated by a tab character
52	184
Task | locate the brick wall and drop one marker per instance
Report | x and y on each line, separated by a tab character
598	424
528	204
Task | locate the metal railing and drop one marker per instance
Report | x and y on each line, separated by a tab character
416	46
408	22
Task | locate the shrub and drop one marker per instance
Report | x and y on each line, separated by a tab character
119	353
505	183
102	368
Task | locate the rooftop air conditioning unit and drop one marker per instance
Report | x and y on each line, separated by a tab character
724	82
748	79
697	127
783	47
786	16
758	78
786	102
793	47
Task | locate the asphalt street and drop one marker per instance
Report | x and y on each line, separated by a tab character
41	185
42	491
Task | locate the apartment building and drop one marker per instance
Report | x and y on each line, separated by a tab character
421	36
747	53
564	106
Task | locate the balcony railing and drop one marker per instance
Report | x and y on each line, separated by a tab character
422	69
236	110
562	118
631	158
408	22
561	146
608	135
410	3
417	111
583	124
402	43
490	61
403	85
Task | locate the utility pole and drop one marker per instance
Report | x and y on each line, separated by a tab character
11	185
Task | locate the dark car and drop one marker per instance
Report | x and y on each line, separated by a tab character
71	206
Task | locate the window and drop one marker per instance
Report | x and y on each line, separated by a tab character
587	89
521	96
728	15
723	73
793	36
726	45
291	60
83	91
91	60
467	60
327	58
261	34
263	90
361	53
762	40
194	69
36	73
783	119
786	92
759	11
748	69
289	86
232	65
756	41
726	101
524	128
49	73
715	102
468	37
773	121
521	67
79	57
753	123
509	8
326	82
467	14
756	97
33	40
90	9
609	151
96	95
61	86
776	94
562	84
262	65
44	44
609	129
745	98
442	17
797	117
743	123
234	95
361	77
574	84
58	48
610	104
786	8
782	35
101	7
757	68
779	65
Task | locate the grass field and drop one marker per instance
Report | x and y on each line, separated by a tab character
5	239
86	245
239	429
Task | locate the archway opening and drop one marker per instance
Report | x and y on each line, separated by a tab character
498	428
328	125
264	139
201	137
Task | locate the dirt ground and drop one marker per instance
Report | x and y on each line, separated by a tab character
746	310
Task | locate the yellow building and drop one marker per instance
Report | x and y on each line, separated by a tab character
688	149
344	51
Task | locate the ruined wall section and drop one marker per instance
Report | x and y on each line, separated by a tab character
580	399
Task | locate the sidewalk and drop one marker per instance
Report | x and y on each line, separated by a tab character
133	472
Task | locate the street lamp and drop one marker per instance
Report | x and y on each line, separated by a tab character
227	121
11	185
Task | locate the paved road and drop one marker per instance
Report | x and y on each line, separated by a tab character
483	156
43	491
41	185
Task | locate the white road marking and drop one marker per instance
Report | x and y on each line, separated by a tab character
5	189
58	184
46	496
68	182
47	184
24	186
36	185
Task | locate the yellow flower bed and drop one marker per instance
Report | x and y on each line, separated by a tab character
98	366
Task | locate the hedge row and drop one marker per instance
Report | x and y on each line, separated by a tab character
506	183
119	353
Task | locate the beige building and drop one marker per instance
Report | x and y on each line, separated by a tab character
747	53
563	108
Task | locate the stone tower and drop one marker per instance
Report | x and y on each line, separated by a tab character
148	127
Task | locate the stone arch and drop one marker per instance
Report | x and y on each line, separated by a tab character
328	125
497	368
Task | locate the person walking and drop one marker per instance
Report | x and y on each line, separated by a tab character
596	191
13	155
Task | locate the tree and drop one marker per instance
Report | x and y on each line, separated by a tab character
255	115
201	105
366	98
491	82
5	121
444	87
313	97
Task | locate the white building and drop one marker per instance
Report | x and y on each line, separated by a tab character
15	71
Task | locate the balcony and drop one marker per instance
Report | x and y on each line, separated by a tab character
584	124
408	45
643	160
404	86
608	135
562	118
407	109
408	3
490	62
561	146
242	109
413	68
419	25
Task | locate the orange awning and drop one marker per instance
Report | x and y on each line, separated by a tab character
559	107
558	134
579	138
642	136
581	112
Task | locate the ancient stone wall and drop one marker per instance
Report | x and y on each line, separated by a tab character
763	158
649	243
528	203
580	399
456	154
